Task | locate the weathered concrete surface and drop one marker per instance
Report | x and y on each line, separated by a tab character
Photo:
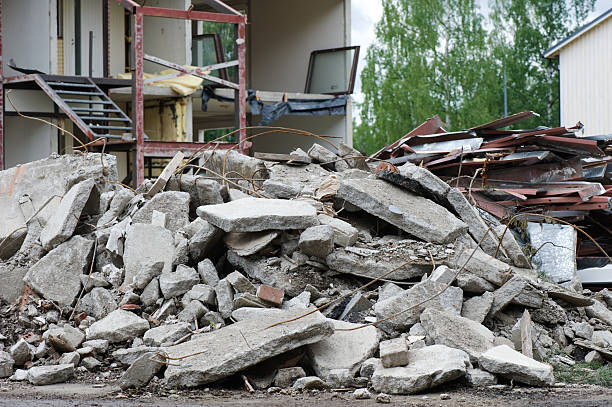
60	226
317	241
257	214
40	180
57	275
599	310
221	162
98	303
344	233
504	295
394	352
42	375
121	198
556	258
12	285
479	263
344	349
241	345
429	367
204	239
173	203
141	371
165	334
118	326
471	283
6	364
413	214
178	282
450	300
246	244
146	245
513	365
457	332
419	181
477	308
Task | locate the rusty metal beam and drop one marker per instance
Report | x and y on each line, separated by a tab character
137	95
240	96
192	15
200	73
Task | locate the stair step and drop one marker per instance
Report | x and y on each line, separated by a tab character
89	102
95	127
95	110
105	118
75	92
71	85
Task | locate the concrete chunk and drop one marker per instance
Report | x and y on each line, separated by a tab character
394	352
57	275
413	214
241	345
513	365
225	297
62	223
257	214
457	332
208	272
240	283
178	282
98	303
6	364
173	203
429	367
477	308
344	233
204	240
43	375
141	371
317	241
165	334
146	245
246	244
118	326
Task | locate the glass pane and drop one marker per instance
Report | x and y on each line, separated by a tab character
203	53
331	71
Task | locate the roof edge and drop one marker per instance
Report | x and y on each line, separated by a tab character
554	50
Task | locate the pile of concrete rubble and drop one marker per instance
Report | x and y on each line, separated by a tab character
307	272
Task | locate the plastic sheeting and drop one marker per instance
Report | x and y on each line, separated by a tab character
272	112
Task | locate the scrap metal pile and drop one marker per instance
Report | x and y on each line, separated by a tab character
547	172
298	273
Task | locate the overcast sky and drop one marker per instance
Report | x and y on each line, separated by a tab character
366	13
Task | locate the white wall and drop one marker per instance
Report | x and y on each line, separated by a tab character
283	33
117	39
167	38
586	81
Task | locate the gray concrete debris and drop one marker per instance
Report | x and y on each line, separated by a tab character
343	350
121	198
280	189
480	378
225	297
413	214
443	274
471	283
203	191
594	357
100	346
165	334
6	364
389	290
246	244
362	394
582	330
556	250
146	245
204	240
63	221
40	181
98	303
127	356
243	313
429	367
151	293
201	292
285	377
21	352
344	233
248	300
503	360
64	339
240	283
118	326
419	181
477	308
43	375
511	246
72	358
147	273
457	332
309	383
550	313
56	276
140	373
257	214
96	279
504	295
394	352
322	155
353	157
208	272
317	241
562	293
599	310
193	311
369	366
450	300
357	303
177	283
173	203
602	338
12	285
478	262
221	162
250	342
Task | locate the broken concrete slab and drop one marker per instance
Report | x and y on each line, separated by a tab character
174	204
146	245
201	292
240	283
317	241
477	262
511	246
450	300
514	365
6	364
394	352
203	191
480	378
140	373
413	214
477	308
221	162
257	214
43	375
457	332
344	233
569	296
166	334
429	367
204	240
285	377
599	310
46	180
12	286
178	282
241	345
127	356
121	198
504	295
118	326
60	226
246	244
353	157
56	276
556	250
208	272
225	297
344	349
98	303
322	155
192	312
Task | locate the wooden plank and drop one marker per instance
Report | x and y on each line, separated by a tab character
163	178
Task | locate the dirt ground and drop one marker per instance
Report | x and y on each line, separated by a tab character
103	395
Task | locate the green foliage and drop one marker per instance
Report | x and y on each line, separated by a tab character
585	373
437	57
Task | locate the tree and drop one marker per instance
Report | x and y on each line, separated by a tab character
523	30
430	57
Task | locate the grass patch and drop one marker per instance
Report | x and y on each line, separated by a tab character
585	373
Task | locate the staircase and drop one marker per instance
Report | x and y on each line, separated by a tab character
89	108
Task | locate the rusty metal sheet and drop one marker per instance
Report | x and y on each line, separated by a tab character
430	126
507	121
